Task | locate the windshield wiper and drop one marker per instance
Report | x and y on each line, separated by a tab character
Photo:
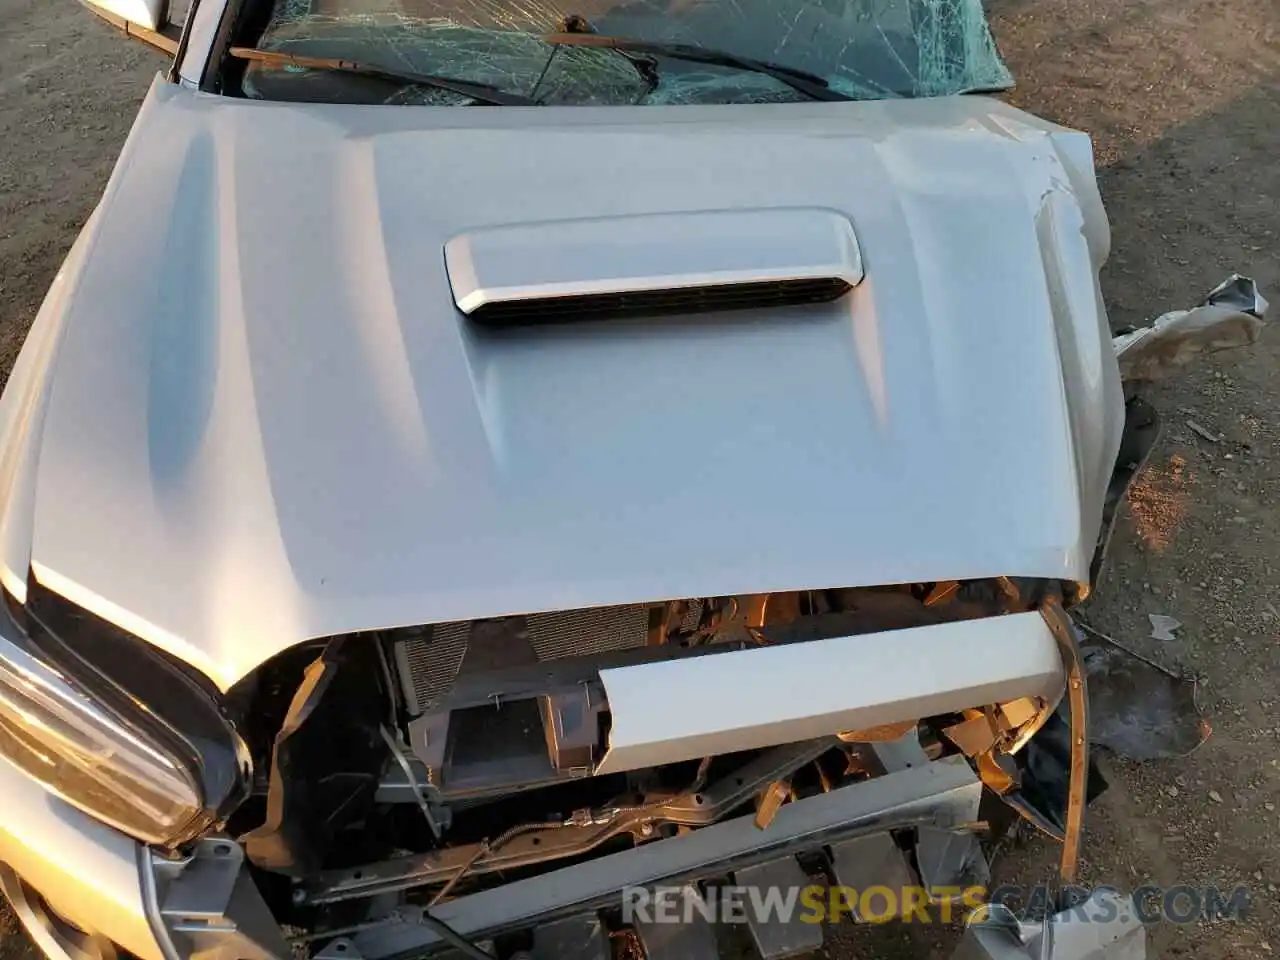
480	92
811	85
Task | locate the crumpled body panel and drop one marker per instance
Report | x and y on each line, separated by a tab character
269	422
1230	316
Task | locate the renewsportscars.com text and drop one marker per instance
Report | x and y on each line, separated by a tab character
818	903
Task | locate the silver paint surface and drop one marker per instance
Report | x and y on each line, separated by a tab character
266	421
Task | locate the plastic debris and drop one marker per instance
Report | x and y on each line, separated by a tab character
1137	708
1162	627
1230	316
1202	431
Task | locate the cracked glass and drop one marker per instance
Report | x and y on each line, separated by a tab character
864	49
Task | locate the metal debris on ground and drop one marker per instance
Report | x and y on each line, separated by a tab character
1202	431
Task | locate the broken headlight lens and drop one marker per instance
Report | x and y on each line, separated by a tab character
162	765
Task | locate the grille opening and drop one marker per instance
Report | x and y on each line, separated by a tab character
681	300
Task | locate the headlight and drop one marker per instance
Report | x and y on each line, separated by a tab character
112	726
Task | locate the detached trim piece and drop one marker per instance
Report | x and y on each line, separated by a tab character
653	263
668	711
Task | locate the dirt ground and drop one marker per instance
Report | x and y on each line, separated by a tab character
1183	99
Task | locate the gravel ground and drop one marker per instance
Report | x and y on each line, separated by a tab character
1183	98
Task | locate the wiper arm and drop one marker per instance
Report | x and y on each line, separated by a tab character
480	92
811	85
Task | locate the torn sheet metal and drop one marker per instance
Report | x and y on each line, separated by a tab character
1137	708
1103	927
866	50
1034	782
1232	315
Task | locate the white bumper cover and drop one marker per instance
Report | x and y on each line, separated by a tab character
686	709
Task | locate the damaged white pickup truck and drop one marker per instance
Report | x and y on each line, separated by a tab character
423	527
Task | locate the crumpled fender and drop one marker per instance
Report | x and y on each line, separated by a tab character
1232	315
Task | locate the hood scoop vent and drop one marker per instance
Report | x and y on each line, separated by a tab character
654	264
674	300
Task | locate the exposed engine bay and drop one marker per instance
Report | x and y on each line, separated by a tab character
443	760
454	449
500	787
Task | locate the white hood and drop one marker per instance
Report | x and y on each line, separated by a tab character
268	422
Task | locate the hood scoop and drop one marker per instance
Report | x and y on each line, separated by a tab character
670	263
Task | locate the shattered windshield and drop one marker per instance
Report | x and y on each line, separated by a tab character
862	49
